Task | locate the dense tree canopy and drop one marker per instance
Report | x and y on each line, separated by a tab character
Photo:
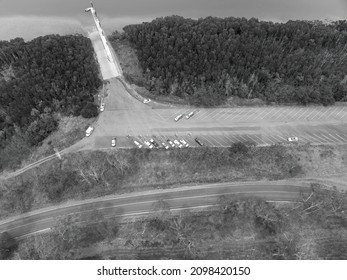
208	60
41	77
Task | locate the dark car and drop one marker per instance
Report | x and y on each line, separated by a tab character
197	140
155	144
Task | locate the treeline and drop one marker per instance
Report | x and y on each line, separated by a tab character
48	75
205	61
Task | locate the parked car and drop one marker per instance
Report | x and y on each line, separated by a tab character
197	140
147	100
178	117
148	144
155	144
184	142
102	107
171	143
137	144
114	142
178	143
189	115
165	145
89	131
293	139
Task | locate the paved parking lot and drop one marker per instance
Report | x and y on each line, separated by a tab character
327	134
218	127
256	114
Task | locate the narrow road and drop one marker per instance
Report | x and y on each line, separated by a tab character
190	197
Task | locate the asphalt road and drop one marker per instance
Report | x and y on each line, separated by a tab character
190	197
218	127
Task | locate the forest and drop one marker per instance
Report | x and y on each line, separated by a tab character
39	79
209	60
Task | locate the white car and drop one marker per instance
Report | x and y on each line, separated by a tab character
189	115
293	139
165	145
171	143
178	143
89	131
137	144
113	142
148	144
184	143
178	117
147	100
102	107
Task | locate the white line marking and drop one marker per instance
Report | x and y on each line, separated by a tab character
345	109
235	115
338	136
207	115
277	114
301	114
266	113
296	110
320	138
338	140
327	117
320	111
312	111
255	112
225	112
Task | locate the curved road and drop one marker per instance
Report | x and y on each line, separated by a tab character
189	197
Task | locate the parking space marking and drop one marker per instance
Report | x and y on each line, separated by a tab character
270	114
333	111
279	112
278	138
343	135
344	110
314	139
332	136
202	114
319	113
222	113
306	140
324	115
209	112
259	139
216	115
313	110
266	112
209	140
243	138
339	137
255	112
295	112
268	137
233	115
177	112
320	138
209	115
298	117
338	113
222	140
341	112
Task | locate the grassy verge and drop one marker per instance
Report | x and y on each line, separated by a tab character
19	153
91	174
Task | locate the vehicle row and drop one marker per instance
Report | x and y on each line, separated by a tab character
155	143
180	116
